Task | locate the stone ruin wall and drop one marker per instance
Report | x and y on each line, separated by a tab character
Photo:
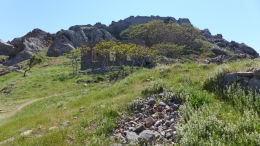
246	80
93	60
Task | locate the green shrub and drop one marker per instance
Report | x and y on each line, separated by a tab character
198	97
205	127
61	77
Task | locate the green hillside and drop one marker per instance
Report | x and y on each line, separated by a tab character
49	107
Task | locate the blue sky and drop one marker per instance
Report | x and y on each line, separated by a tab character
237	20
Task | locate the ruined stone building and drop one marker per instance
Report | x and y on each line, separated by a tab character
93	59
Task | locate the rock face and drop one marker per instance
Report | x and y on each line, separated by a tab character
232	46
20	49
5	48
24	47
116	27
76	36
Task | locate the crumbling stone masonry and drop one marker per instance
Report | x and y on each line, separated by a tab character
93	60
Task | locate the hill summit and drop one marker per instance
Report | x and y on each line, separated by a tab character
20	49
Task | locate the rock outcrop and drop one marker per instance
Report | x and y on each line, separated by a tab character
76	36
226	58
218	51
116	27
232	46
20	49
26	46
5	48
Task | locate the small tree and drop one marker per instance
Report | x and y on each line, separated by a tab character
75	56
32	62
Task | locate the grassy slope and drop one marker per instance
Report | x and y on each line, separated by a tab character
90	124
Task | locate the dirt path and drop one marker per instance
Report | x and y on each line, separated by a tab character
21	107
28	103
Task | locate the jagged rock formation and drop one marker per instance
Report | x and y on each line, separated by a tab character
226	58
24	47
116	27
218	51
20	49
231	46
76	36
5	48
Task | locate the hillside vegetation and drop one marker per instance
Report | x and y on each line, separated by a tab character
172	40
49	101
49	107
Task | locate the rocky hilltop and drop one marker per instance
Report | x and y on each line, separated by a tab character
20	49
76	36
117	27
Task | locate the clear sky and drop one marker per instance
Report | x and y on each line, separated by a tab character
237	20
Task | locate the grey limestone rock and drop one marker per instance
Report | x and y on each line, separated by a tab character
26	46
77	36
131	137
148	136
5	48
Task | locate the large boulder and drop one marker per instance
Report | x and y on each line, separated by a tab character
5	48
26	46
76	36
242	49
218	51
64	42
248	50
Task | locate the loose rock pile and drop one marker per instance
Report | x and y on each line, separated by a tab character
153	122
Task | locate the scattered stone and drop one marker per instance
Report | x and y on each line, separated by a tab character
131	137
139	128
26	132
149	122
66	123
162	104
161	94
102	105
147	136
149	126
159	109
151	101
158	123
53	128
